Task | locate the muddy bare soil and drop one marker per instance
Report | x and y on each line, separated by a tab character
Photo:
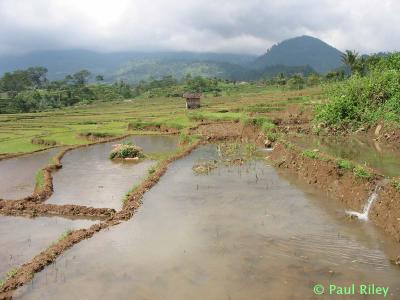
221	131
30	209
344	185
241	232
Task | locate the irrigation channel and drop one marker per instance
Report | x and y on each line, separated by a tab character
364	150
239	231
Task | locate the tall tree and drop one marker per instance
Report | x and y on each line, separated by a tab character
81	77
350	59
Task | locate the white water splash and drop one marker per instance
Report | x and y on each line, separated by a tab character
365	213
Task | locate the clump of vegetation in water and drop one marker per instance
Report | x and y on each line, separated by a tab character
126	151
204	168
344	164
371	94
362	173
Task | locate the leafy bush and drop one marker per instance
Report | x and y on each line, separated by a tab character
344	164
360	172
364	100
126	151
396	183
273	136
310	154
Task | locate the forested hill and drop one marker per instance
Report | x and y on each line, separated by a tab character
116	64
300	51
298	55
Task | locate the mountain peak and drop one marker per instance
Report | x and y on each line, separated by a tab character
300	51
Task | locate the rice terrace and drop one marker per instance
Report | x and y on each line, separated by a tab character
196	173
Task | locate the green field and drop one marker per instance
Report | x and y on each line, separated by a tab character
65	125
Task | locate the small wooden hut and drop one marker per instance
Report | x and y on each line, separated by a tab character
192	100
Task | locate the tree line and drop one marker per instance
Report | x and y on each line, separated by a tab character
30	90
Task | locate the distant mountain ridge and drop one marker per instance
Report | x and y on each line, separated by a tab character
298	55
300	51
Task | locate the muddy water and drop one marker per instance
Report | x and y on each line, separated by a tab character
23	238
90	178
17	175
155	143
360	149
242	232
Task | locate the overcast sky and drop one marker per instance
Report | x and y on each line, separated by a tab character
239	26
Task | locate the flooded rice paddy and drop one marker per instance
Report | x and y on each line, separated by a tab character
23	238
362	150
240	232
90	178
17	175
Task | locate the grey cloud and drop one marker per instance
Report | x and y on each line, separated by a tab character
207	25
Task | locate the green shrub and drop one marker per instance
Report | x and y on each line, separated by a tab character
272	136
361	172
310	154
364	100
126	151
396	183
344	164
184	138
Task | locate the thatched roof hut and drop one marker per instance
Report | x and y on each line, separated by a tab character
192	100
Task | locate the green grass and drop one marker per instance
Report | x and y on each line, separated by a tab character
40	182
273	136
396	184
215	116
11	273
345	164
64	235
362	173
310	154
64	125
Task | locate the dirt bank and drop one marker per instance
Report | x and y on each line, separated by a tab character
29	209
157	128
222	131
344	185
218	130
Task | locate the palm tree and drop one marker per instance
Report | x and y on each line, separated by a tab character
350	59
